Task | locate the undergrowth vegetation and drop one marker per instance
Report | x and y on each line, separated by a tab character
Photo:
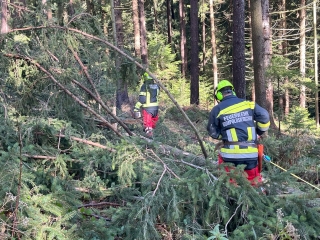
55	186
68	170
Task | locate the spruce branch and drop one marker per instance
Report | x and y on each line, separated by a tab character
158	183
74	97
91	143
100	204
198	167
235	212
85	70
135	62
97	216
165	165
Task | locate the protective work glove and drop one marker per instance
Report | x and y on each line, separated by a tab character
137	113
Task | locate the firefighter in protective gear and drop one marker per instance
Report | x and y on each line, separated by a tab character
148	102
238	123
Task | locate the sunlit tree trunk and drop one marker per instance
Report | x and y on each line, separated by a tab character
267	58
238	48
103	17
122	87
136	27
214	48
169	21
284	44
302	47
4	17
143	33
203	38
203	45
183	40
258	52
194	65
155	13
48	11
316	71
253	93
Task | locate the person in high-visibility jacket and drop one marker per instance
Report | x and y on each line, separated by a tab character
238	123
149	104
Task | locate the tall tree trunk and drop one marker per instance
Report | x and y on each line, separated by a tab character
203	19
302	47
90	7
4	17
155	13
169	21
258	50
316	72
267	58
283	47
214	49
194	65
70	9
183	38
136	27
48	11
104	24
16	15
238	48
143	34
60	11
253	92
122	87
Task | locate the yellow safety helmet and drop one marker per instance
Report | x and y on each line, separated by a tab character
146	76
222	84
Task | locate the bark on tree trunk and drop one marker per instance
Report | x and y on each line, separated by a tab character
169	21
183	49
122	96
17	14
283	47
90	7
253	93
286	97
203	41
214	49
143	33
104	24
60	13
136	27
267	59
47	7
155	13
70	10
302	46
238	48
258	50
4	17
194	66
316	62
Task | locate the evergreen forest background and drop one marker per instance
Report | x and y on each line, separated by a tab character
74	164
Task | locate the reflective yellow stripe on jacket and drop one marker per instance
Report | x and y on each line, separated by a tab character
238	151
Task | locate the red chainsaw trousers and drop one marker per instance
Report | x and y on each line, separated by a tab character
149	121
252	175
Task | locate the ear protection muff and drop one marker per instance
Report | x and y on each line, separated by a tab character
222	88
218	95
